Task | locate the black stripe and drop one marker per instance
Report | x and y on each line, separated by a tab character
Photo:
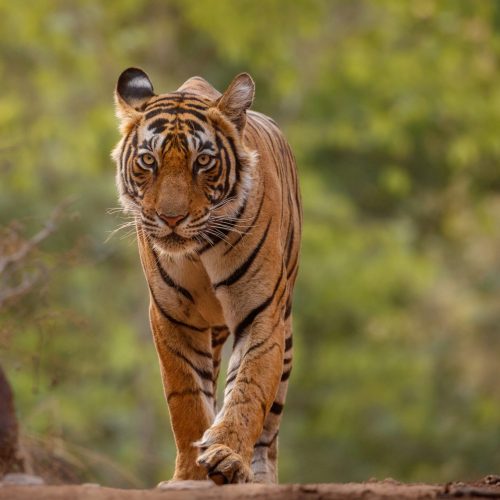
169	281
265	351
289	241
262	342
294	266
179	97
219	328
200	352
182	104
286	375
195	126
232	377
154	112
232	146
288	343
279	300
170	110
225	163
223	154
135	139
266	443
205	374
125	170
219	341
276	408
195	222
189	392
240	272
162	109
249	228
172	319
125	148
255	312
158	125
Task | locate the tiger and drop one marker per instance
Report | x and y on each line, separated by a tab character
212	190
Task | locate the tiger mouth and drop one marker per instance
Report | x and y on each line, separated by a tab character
174	238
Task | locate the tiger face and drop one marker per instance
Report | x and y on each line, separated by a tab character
183	170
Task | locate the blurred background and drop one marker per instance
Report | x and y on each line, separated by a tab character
393	111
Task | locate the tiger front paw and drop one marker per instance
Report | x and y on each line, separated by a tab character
224	466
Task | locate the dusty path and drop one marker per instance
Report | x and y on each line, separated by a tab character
489	487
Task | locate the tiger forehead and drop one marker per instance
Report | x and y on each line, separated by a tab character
177	112
177	103
177	121
180	97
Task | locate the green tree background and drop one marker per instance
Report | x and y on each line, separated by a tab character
393	111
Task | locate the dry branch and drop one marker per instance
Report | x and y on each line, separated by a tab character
10	457
14	252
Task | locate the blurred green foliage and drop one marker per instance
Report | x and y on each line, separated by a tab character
393	111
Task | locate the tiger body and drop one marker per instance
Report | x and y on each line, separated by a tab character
214	192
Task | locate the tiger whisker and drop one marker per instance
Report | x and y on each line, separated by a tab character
231	218
224	202
218	234
145	234
114	210
132	232
231	225
207	239
119	228
225	227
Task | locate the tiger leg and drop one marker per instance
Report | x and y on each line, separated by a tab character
255	369
187	373
219	337
265	455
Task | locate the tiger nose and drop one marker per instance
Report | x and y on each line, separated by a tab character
171	220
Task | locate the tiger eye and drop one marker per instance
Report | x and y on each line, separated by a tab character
148	159
203	160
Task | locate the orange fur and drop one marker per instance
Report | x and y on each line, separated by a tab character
227	268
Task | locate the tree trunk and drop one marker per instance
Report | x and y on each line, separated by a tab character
10	456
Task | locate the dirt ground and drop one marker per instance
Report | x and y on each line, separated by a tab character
489	487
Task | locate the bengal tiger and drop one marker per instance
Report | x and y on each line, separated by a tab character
213	190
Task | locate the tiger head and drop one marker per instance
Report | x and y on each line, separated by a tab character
183	170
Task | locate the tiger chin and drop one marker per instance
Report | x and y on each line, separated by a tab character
213	191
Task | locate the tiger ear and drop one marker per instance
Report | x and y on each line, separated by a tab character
133	91
237	98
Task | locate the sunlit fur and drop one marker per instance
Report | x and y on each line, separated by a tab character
227	268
